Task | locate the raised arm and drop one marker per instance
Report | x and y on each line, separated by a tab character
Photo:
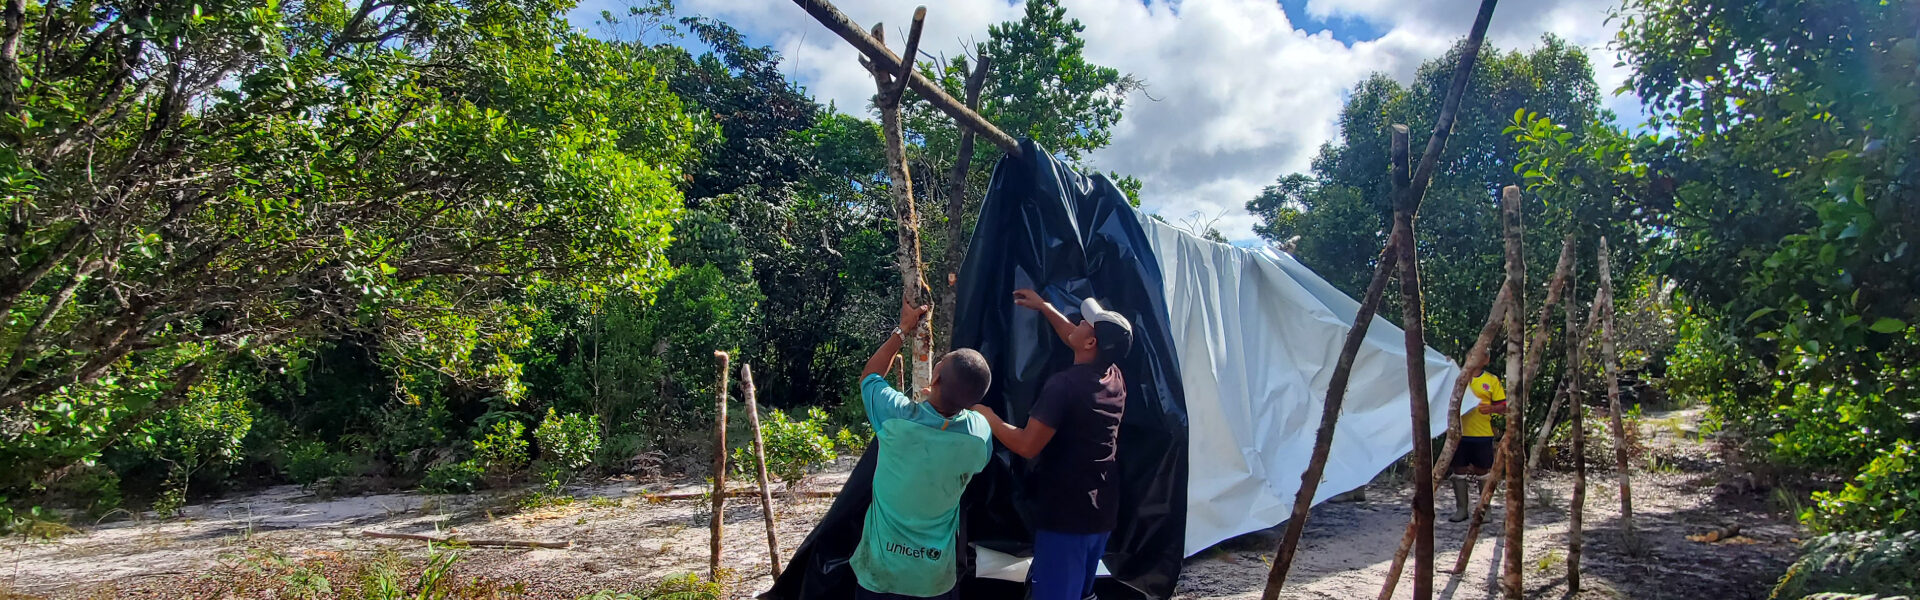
909	320
1031	300
1024	441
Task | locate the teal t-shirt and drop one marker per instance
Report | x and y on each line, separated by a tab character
925	463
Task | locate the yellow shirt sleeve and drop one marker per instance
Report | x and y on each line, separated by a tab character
1488	388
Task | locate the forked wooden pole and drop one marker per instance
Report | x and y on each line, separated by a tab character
718	519
913	283
1612	361
1413	324
1516	519
760	465
1443	464
1414	193
883	59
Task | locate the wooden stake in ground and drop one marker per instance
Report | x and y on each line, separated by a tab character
1516	520
1566	391
1612	361
719	469
1443	464
1576	355
956	251
1415	192
891	84
760	463
1413	321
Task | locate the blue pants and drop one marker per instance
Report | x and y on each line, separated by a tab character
1064	564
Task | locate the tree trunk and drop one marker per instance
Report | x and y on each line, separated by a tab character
1516	520
1613	394
717	520
760	465
913	283
1476	359
956	251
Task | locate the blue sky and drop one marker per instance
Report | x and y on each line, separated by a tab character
1242	91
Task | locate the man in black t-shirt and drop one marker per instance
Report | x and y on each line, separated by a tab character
1073	435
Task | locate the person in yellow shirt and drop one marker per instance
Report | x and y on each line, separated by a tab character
1474	457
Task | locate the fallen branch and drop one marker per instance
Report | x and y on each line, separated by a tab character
735	494
467	543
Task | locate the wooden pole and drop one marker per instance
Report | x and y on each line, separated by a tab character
1323	437
464	542
760	464
956	251
1576	357
1516	521
1343	368
718	519
1566	391
1412	322
1612	361
1443	464
1488	485
884	60
913	284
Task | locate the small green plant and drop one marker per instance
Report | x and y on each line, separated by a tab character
568	441
1881	563
503	451
854	439
311	462
35	522
1886	494
794	448
453	478
542	499
1551	559
603	502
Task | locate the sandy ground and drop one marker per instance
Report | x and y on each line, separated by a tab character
621	542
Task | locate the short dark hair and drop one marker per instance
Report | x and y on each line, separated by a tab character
964	378
1112	342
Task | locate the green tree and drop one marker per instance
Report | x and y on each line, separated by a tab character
1335	218
1785	144
183	182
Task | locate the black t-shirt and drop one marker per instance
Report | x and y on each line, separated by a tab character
1074	478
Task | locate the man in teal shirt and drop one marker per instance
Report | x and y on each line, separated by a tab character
928	453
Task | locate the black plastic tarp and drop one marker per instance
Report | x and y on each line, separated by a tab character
1044	226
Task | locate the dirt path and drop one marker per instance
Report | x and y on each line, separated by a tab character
621	542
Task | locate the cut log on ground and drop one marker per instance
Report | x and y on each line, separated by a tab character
468	543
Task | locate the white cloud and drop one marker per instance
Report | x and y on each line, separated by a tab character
1240	96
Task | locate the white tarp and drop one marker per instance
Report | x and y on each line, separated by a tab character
1258	335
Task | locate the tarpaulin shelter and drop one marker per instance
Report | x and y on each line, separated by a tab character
1233	350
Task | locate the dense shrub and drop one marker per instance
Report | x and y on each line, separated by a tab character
502	452
453	477
794	448
1882	563
312	462
1886	494
568	442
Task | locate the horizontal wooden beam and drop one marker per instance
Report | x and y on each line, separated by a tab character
885	60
